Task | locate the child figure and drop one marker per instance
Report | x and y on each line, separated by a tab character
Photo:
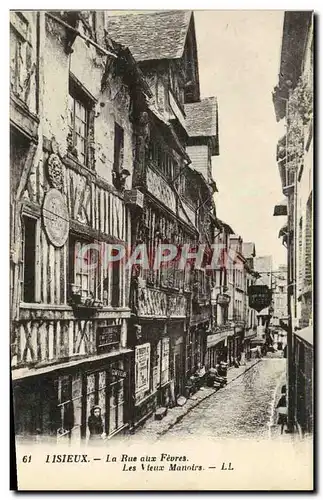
282	409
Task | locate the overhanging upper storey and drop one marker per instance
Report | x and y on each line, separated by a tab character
295	33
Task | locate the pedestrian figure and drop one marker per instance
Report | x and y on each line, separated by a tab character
282	409
236	363
95	424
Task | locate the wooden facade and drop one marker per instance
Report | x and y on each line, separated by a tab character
99	157
70	310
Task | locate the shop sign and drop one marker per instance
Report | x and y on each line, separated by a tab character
223	299
142	367
260	297
108	337
116	372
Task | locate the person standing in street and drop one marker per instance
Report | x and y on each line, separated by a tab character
95	424
282	409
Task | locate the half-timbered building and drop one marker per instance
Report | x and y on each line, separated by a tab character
165	354
74	96
198	189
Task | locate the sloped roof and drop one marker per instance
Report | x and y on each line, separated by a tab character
248	249
157	35
201	118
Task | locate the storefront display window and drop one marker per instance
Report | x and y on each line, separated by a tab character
116	391
65	406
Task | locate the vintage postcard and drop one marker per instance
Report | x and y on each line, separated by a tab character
161	245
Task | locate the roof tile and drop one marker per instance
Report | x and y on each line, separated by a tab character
201	118
157	35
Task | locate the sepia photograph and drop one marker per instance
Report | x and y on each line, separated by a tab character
161	249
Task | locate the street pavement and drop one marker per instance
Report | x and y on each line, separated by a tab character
245	408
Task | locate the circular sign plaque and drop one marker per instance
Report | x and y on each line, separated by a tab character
56	217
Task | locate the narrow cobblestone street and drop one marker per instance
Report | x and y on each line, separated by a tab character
243	409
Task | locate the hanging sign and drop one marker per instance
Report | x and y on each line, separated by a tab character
117	372
260	297
223	299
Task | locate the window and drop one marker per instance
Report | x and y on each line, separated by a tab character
115	297
80	119
118	148
18	54
162	159
116	394
28	259
82	276
65	406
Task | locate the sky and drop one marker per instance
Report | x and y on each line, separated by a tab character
239	57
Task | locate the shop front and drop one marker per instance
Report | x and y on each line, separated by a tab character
196	347
151	370
56	404
249	335
238	342
176	332
218	346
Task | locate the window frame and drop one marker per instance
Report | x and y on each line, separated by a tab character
78	94
74	239
36	298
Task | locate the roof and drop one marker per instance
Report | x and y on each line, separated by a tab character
248	249
156	35
201	118
306	334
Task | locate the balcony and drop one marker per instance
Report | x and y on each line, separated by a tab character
152	303
158	187
201	313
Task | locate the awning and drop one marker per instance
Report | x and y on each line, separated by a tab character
281	208
215	338
306	334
